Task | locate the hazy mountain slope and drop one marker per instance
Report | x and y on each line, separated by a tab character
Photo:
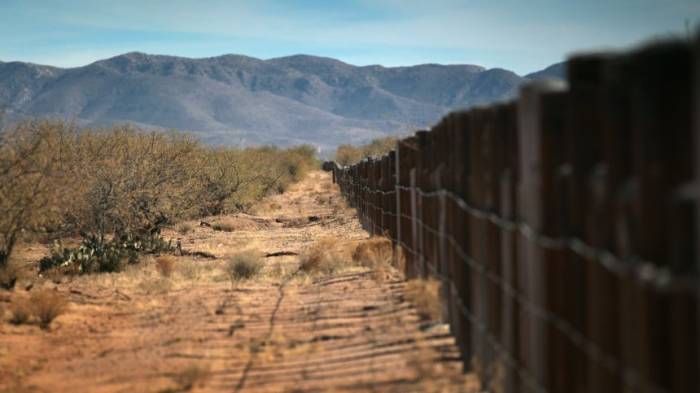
555	71
236	99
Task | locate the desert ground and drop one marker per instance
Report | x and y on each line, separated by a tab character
194	329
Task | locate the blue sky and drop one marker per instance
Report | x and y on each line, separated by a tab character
521	35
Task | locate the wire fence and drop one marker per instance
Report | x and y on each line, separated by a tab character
563	225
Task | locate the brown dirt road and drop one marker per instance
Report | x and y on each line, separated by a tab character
137	331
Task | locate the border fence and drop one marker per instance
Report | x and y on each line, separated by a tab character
563	225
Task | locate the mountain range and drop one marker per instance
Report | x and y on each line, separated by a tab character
236	99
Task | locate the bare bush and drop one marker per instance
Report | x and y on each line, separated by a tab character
165	265
424	294
28	162
191	270
244	265
224	227
348	154
123	185
374	253
46	305
326	256
185	228
9	275
21	310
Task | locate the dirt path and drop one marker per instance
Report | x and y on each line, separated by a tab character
136	331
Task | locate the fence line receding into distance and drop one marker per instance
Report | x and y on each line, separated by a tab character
563	226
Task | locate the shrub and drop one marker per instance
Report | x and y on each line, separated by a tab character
374	253
46	305
244	265
28	161
90	257
9	274
224	227
21	311
99	256
122	185
324	257
190	270
425	296
349	154
165	265
184	228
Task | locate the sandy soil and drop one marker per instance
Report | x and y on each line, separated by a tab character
137	331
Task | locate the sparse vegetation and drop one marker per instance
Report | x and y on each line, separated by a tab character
244	265
190	270
424	294
165	265
348	154
184	228
224	227
325	257
9	275
374	253
21	311
118	187
47	305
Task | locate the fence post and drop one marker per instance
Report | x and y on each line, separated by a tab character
507	209
696	152
441	183
399	192
592	145
407	160
662	125
462	272
535	126
418	218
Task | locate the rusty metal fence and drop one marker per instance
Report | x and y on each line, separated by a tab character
563	226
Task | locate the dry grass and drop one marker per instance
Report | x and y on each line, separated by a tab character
374	253
156	285
244	265
165	265
399	260
191	377
330	255
232	224
21	310
423	362
424	294
326	256
324	199
191	270
13	273
184	228
46	305
224	227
